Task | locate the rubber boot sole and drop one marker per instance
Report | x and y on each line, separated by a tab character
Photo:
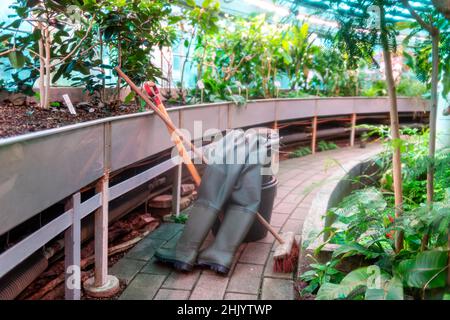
215	267
179	265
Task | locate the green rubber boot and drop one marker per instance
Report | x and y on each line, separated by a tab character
239	217
217	186
184	255
234	228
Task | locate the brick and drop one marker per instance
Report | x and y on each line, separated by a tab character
292	198
278	219
187	189
162	201
210	286
181	280
277	289
143	287
300	213
145	249
246	278
284	208
283	191
125	269
300	190
169	294
269	237
293	225
240	296
291	182
255	253
156	267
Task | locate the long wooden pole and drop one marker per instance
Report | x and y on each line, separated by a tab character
160	113
395	131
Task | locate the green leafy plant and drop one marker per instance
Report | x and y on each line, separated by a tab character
367	283
182	218
325	146
319	274
300	152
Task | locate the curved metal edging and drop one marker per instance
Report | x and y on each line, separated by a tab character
40	169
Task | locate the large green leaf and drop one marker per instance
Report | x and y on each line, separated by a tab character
425	271
355	248
390	290
352	281
17	59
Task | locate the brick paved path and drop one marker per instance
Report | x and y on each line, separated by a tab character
251	276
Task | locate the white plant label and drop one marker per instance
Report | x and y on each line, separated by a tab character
277	84
69	104
200	84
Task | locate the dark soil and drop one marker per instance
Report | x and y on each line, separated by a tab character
16	120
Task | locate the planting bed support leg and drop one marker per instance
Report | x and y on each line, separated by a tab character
314	135
353	132
176	189
72	247
102	285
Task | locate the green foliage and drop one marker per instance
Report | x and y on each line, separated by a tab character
363	224
182	218
367	283
246	58
300	152
419	55
320	274
325	146
127	30
424	271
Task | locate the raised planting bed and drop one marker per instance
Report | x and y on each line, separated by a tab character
350	236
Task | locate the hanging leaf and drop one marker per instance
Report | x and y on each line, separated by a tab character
391	290
352	249
130	97
17	59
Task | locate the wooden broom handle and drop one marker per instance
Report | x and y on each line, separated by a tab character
163	117
161	111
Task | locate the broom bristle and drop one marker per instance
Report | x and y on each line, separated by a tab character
287	263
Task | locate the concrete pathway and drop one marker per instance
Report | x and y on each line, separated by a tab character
251	277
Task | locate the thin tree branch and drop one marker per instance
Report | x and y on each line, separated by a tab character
429	27
77	46
4	53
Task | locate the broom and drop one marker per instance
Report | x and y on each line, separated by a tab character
286	254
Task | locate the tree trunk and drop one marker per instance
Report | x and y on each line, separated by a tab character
47	42
103	90
41	69
433	116
119	63
395	131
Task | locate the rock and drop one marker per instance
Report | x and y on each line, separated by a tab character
163	201
185	202
187	189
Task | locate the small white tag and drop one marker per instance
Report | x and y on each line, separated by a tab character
200	84
277	84
69	104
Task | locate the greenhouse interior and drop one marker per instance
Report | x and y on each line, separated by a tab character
225	150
